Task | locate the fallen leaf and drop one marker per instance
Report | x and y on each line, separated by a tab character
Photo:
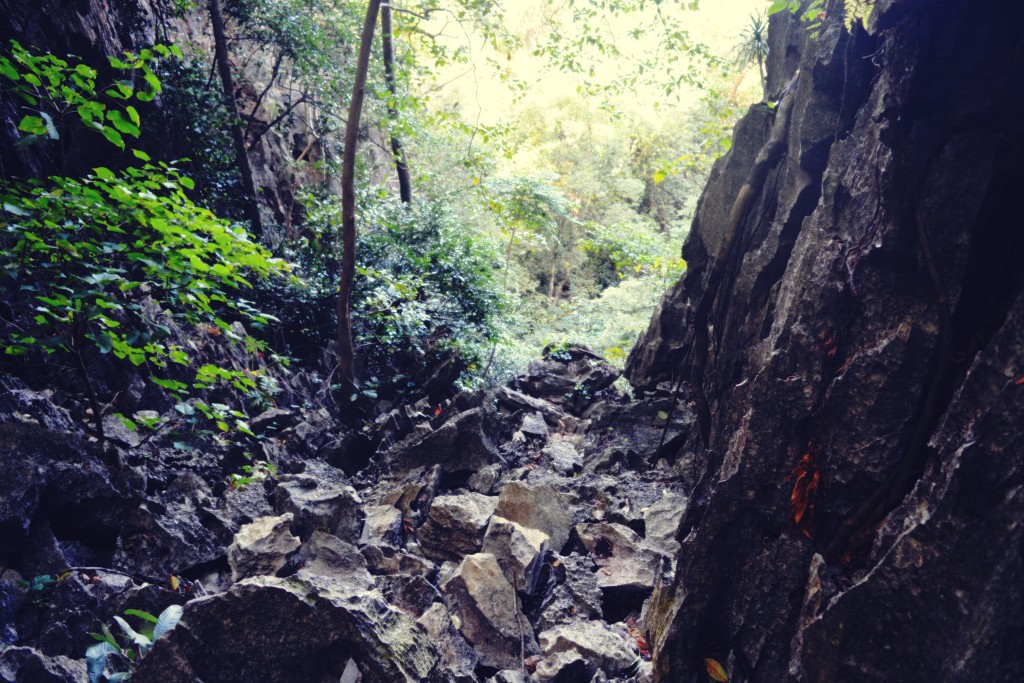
175	582
715	670
1019	382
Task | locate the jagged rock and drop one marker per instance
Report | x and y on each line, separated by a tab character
20	404
563	457
351	674
459	445
411	593
518	550
628	436
303	628
508	676
455	525
27	665
389	560
382	526
323	501
458	659
489	612
272	420
661	522
516	400
65	480
573	594
167	536
327	555
627	567
562	667
534	425
262	547
601	648
569	378
537	507
483	480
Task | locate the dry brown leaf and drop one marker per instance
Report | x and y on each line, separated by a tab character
715	670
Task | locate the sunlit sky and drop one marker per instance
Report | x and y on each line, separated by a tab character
481	94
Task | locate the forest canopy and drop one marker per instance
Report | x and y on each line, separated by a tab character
522	175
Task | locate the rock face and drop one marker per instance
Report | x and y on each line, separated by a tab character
853	352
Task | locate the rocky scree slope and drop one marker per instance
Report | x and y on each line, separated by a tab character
849	334
509	536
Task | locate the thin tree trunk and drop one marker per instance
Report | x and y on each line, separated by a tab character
346	348
401	167
220	44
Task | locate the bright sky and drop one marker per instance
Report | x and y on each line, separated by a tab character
479	92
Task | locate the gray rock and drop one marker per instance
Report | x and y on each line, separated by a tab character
303	628
515	400
327	555
625	562
562	667
483	480
534	425
661	522
458	659
488	609
327	504
461	444
272	420
383	559
600	647
382	526
563	457
576	594
262	547
518	550
455	525
537	507
27	665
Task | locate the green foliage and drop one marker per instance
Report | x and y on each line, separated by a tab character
116	657
57	92
252	473
83	258
41	588
109	262
425	292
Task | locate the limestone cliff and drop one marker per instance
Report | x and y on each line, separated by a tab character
857	493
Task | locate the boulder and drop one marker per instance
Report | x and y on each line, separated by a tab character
627	567
382	526
601	648
537	507
661	522
516	400
572	593
518	550
303	628
27	665
320	501
329	556
262	547
563	457
455	525
488	609
458	659
462	444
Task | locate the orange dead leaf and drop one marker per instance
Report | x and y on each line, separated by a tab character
806	478
1019	382
716	671
175	582
643	647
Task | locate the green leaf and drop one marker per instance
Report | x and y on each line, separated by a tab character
15	210
168	619
146	616
122	124
139	154
113	136
7	69
778	6
33	125
96	659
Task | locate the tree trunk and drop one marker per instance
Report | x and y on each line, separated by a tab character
346	348
237	134
401	167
